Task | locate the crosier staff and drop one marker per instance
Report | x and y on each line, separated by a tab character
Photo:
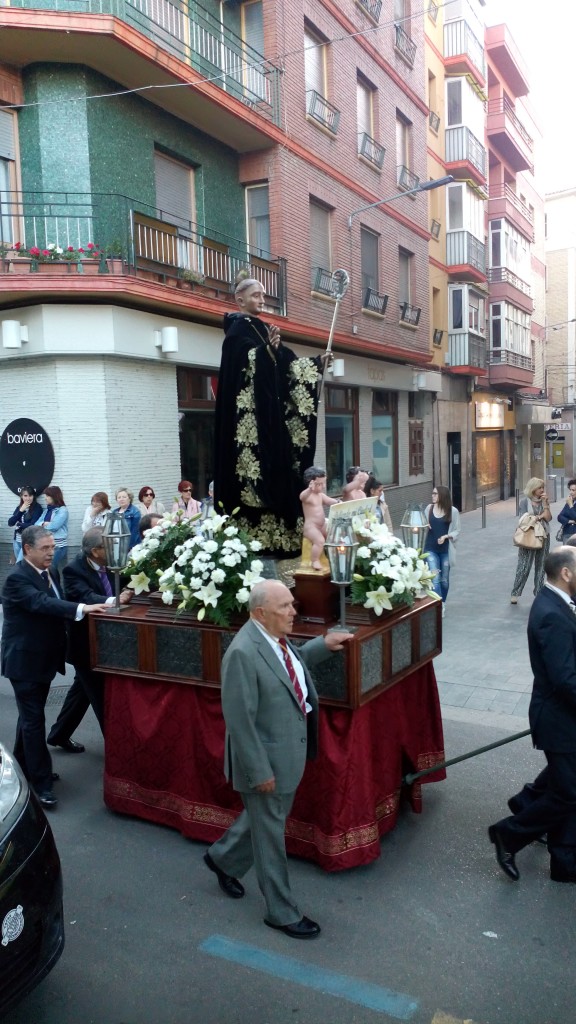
338	287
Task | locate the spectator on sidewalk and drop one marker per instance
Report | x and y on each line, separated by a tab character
374	489
125	499
148	502
444	521
95	514
535	501
26	513
185	504
55	520
567	517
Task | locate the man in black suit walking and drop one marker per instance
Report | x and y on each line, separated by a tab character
85	580
33	650
552	648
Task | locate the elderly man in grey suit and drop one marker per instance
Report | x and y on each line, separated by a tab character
270	708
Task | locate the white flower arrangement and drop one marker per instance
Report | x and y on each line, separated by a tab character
207	566
387	573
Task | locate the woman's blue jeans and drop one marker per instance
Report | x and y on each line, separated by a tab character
440	564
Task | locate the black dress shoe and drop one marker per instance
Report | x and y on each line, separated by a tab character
70	746
47	799
231	886
302	929
503	856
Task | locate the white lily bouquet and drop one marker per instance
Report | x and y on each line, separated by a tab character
211	567
387	573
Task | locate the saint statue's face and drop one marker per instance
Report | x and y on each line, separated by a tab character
251	300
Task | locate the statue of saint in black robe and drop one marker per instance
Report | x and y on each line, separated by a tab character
265	434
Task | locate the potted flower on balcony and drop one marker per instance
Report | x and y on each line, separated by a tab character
16	258
89	259
193	279
115	253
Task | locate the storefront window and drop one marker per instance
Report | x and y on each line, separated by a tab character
341	430
196	396
385	436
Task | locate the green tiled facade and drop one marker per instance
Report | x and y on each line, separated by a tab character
105	149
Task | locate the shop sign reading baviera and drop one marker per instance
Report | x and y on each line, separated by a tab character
26	456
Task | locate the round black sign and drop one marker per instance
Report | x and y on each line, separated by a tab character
552	434
26	456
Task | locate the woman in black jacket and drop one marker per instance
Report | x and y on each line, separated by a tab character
25	514
568	514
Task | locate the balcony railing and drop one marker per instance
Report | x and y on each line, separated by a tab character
374	301
370	149
501	275
433	10
437	336
503	106
498	356
196	37
406	178
460	41
409	314
405	46
466	350
152	240
320	110
462	249
322	282
461	145
434	121
372	8
435	228
505	192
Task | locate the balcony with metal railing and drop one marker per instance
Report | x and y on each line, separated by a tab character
320	110
510	369
410	314
507	132
463	52
371	150
374	301
506	286
406	178
434	122
404	45
372	8
466	350
185	30
465	255
504	203
465	150
151	244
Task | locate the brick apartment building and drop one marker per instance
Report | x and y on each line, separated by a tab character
190	140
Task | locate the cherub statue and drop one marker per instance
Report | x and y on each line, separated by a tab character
313	500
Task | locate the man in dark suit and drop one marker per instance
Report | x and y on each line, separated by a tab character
33	650
85	580
552	647
270	707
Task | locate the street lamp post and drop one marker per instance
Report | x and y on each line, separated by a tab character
424	186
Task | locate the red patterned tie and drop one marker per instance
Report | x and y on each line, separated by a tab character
292	672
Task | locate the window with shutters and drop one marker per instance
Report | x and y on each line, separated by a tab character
416	447
10	227
369	259
314	61
320	247
258	218
364	109
175	204
404	276
252	27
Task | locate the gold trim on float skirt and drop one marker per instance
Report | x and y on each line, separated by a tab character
424	761
354	839
187	810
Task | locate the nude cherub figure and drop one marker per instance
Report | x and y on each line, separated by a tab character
313	500
355	481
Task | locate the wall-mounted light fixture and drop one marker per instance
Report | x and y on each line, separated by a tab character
13	334
167	339
337	369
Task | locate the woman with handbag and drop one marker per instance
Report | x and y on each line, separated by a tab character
567	517
535	503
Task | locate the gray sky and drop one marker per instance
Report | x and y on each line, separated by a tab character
545	34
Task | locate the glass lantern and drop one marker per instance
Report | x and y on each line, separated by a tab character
414	526
341	546
116	543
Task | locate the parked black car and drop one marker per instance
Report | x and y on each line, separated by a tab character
31	920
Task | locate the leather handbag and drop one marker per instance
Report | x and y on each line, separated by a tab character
530	532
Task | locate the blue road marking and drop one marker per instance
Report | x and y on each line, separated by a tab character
382	1000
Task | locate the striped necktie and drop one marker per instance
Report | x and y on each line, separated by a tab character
105	582
292	672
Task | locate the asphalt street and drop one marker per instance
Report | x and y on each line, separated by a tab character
432	932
